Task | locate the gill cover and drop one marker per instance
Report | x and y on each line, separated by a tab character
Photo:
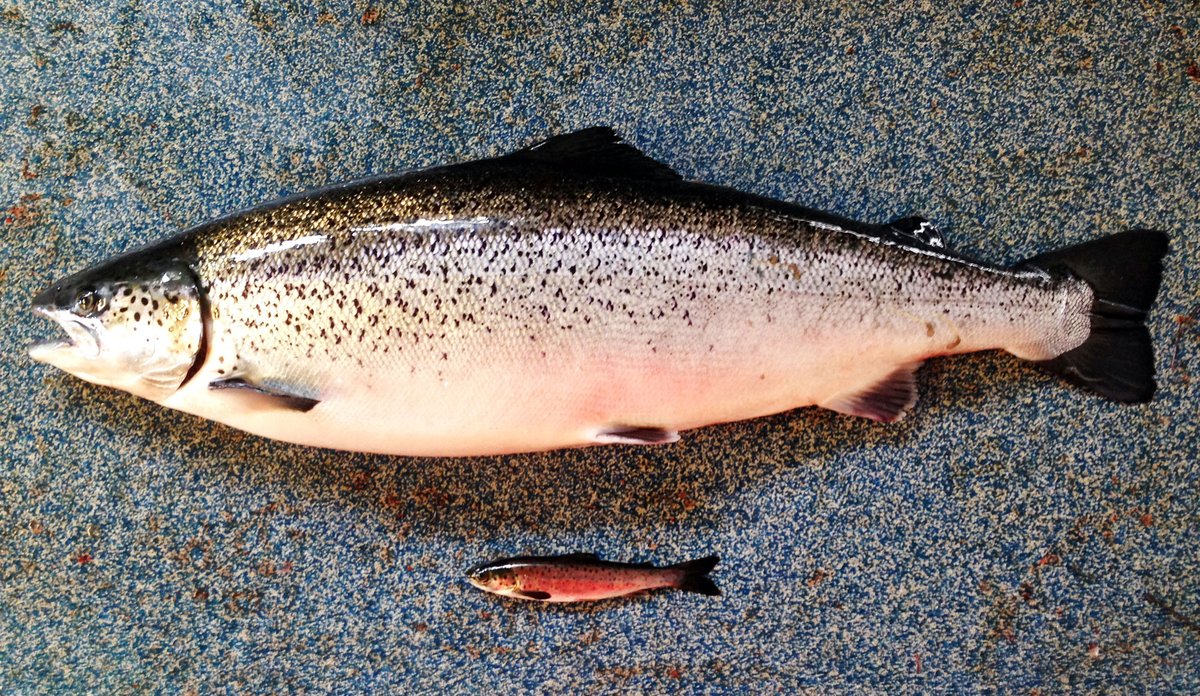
135	323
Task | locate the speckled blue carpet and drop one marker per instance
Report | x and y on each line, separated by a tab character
1011	534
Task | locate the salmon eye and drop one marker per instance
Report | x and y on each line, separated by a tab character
87	304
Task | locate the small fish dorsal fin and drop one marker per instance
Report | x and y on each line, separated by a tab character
597	151
920	230
579	556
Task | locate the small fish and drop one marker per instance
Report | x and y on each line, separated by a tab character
574	293
582	577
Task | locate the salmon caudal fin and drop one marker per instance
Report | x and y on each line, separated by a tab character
1124	271
695	575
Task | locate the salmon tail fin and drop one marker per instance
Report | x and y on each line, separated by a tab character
1124	271
695	575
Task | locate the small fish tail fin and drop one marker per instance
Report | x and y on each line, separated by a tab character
695	575
1124	271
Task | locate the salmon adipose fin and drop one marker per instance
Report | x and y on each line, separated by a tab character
919	230
1124	271
695	576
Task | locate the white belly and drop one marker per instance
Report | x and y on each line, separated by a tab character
532	400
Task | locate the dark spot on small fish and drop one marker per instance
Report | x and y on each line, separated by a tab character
928	329
137	316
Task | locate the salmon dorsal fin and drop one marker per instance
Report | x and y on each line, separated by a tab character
887	400
599	152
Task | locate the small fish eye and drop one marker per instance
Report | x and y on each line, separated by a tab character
88	303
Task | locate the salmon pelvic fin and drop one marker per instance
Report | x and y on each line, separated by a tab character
636	435
1124	271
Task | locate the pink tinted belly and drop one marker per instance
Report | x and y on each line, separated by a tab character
581	585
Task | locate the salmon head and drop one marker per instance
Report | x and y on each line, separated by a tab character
135	323
496	578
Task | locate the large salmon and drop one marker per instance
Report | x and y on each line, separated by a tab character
571	293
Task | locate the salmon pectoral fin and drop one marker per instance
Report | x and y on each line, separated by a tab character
270	397
532	594
886	401
634	435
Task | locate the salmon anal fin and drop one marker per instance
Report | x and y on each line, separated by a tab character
887	401
633	435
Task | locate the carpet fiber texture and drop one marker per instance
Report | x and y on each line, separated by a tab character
1012	533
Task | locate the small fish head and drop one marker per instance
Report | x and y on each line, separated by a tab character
495	578
130	324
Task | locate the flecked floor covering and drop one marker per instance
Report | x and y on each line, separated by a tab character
1012	534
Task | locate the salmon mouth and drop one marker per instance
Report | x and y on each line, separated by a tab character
78	340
